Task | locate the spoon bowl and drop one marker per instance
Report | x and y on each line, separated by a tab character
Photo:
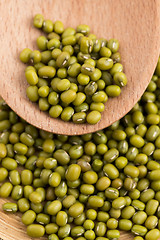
136	24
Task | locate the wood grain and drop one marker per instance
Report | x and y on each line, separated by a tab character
11	227
135	23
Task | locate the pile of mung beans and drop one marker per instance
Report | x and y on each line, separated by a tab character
73	73
89	186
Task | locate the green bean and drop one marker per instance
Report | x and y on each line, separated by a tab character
23	205
61	218
54	179
9	163
128	212
17	192
88	224
26	177
113	45
10	150
10	207
4	125
113	91
125	224
3	150
6	189
43	218
35	197
53	237
64	231
139	217
119	203
112	223
147	195
111	234
151	222
90	177
35	230
89	234
73	172
95	201
51	228
131	171
25	55
38	20
100	229
37	208
103	183
152	234
110	171
3	174
76	209
54	207
151	207
14	177
68	201
80	219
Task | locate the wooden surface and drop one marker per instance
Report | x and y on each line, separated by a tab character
136	24
11	227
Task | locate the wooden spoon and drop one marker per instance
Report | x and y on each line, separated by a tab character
136	24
